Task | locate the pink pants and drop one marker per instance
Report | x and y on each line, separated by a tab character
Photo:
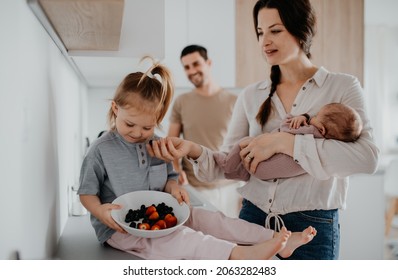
205	235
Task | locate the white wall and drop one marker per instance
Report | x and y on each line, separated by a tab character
381	71
98	104
41	135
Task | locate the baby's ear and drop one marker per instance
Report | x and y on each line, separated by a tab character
322	129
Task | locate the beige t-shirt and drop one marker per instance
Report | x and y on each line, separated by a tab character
204	120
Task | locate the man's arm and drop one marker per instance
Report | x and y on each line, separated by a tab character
175	130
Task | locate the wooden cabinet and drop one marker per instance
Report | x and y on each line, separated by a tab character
338	44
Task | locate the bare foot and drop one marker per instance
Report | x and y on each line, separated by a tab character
262	251
296	240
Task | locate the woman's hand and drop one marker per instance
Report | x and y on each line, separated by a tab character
173	148
177	191
264	146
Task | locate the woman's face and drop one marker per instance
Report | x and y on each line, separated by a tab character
278	46
133	125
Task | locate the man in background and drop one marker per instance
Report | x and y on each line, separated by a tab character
202	115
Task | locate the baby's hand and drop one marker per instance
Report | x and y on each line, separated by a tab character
296	122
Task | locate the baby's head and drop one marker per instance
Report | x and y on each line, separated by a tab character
338	121
141	102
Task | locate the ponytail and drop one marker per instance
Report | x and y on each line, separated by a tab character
167	88
150	91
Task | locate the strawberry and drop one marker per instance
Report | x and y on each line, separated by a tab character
154	216
144	226
150	210
155	227
161	224
170	220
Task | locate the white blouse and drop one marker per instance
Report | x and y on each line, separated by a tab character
328	162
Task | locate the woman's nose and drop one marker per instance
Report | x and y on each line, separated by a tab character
264	41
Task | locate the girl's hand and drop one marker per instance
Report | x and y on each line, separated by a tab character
177	191
103	213
173	148
264	146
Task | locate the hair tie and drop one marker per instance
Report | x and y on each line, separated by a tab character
149	74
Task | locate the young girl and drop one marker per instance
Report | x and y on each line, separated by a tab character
118	163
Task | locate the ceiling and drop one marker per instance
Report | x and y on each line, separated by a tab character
104	39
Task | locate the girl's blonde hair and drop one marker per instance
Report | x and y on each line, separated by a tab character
151	91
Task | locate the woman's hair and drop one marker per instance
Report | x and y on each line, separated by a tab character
151	91
299	19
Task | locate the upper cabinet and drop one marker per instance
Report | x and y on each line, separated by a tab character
104	40
98	31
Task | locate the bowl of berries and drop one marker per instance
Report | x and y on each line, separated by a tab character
149	214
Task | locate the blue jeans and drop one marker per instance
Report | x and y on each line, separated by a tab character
324	246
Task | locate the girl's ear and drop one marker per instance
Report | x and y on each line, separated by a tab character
114	107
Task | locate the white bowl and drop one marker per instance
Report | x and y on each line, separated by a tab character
134	200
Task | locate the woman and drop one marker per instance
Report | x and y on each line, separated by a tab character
285	30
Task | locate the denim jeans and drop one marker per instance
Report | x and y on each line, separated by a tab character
324	246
